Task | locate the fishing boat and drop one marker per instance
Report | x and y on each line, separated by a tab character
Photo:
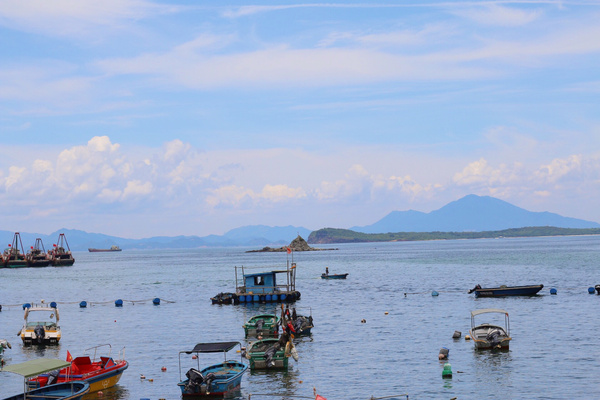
13	256
73	390
3	346
275	286
263	325
37	257
302	324
503	291
489	336
267	354
41	325
215	380
60	255
101	372
334	276
112	248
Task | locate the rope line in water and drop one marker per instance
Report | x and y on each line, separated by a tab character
89	303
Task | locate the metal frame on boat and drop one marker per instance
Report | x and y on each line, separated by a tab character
490	336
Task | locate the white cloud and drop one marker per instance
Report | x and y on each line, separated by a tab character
488	13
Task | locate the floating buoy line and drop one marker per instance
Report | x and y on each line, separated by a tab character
84	304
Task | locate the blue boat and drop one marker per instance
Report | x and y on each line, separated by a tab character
215	380
334	276
504	291
73	390
276	286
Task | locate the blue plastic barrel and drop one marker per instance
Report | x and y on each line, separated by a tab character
26	305
591	290
255	298
119	303
242	299
156	301
268	298
83	304
275	297
282	296
553	291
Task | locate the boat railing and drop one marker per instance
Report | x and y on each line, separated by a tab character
95	348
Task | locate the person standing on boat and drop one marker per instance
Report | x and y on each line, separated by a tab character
326	270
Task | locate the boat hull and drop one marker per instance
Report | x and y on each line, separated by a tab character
60	391
266	325
227	377
257	354
508	291
336	276
102	250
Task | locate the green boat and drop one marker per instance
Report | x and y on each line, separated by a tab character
264	325
267	354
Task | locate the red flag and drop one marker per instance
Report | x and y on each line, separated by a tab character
289	250
69	356
319	397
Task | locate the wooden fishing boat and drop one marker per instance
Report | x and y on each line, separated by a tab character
60	255
334	276
265	325
41	325
215	380
73	390
267	354
503	291
14	256
490	336
100	372
37	257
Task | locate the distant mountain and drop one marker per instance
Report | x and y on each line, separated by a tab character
258	235
471	213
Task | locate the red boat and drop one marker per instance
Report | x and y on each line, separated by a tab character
100	373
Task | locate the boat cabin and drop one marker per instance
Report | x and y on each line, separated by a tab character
274	285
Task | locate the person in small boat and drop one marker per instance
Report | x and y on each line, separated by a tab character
326	270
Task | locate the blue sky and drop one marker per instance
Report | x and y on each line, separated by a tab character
137	118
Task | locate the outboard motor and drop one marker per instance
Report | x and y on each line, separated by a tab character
475	288
494	337
259	326
270	353
195	380
207	381
40	333
53	377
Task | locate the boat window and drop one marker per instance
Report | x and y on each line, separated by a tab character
258	280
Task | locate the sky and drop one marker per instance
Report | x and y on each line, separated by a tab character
140	118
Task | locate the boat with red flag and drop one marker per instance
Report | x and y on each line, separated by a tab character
100	372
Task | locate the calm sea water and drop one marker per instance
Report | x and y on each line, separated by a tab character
553	355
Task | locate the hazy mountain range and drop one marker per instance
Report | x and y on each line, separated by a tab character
470	213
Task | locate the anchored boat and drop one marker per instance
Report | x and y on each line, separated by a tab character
217	379
265	325
41	325
489	336
267	354
74	390
334	276
37	257
503	291
100	372
112	248
14	256
60	255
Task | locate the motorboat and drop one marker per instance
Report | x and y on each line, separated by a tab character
101	372
263	325
503	291
73	390
334	276
41	325
214	380
268	353
490	336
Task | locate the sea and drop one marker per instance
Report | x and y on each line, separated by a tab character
377	334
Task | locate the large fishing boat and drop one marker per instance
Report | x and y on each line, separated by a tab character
13	256
37	257
112	248
60	255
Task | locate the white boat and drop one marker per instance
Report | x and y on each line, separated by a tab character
490	336
41	325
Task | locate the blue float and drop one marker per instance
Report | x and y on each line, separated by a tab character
268	298
53	304
242	299
255	298
434	293
591	290
83	304
26	305
119	303
553	291
283	296
275	297
156	301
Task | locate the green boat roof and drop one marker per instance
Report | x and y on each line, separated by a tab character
36	367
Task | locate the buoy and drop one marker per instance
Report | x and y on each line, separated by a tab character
591	290
553	291
194	357
142	377
363	321
26	305
467	337
443	353
456	335
53	304
119	303
163	369
434	293
150	380
386	313
83	304
447	371
156	301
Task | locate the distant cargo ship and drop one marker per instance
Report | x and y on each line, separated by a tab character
112	248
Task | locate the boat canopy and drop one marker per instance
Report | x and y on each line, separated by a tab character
36	367
53	310
216	347
488	310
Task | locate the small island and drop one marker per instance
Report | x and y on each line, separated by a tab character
298	244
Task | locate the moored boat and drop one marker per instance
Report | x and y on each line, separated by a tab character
41	325
262	325
60	255
503	291
101	372
215	380
3	345
37	257
334	276
269	353
14	256
112	248
490	336
225	298
73	390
